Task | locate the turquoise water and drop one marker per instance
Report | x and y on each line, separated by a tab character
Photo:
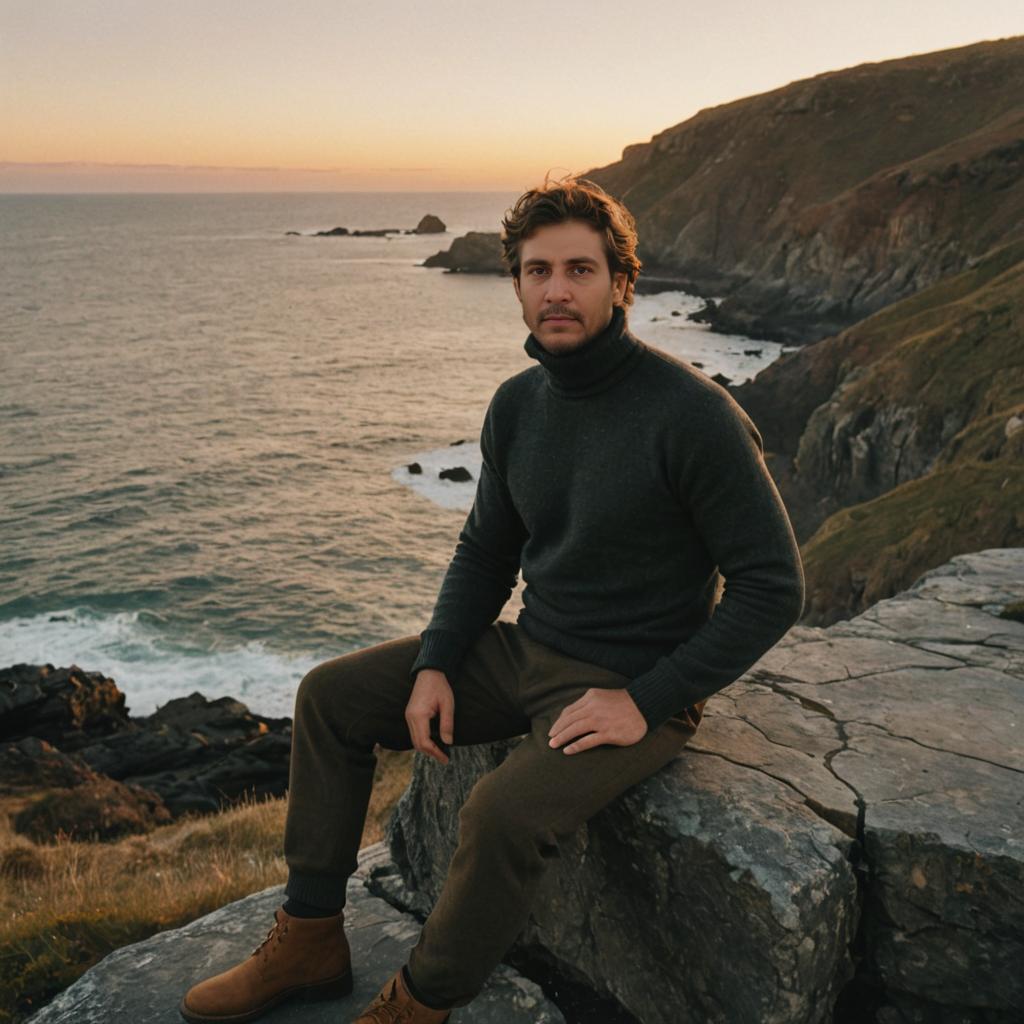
205	426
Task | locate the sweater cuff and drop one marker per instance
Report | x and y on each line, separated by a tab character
441	649
659	696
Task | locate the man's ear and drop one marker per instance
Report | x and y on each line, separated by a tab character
619	287
515	284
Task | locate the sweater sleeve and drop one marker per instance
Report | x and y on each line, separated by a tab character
736	509
483	570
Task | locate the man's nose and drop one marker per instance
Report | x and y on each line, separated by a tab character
558	287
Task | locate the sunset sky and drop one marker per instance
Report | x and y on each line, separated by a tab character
253	95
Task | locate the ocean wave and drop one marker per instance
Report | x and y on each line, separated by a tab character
135	650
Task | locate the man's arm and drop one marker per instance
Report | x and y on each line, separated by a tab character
722	479
483	571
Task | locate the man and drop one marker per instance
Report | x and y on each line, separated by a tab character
624	484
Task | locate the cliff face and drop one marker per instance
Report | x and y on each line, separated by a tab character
814	205
906	430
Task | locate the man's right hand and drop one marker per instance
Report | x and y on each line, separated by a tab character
431	695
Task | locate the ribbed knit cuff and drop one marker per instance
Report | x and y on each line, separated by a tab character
441	649
658	695
325	891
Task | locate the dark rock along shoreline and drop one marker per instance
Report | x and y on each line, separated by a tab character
69	729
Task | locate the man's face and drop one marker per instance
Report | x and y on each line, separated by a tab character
565	285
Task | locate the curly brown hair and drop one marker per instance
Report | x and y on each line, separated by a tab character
574	198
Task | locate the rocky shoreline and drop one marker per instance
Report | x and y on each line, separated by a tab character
73	760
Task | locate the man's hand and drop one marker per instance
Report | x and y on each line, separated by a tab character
431	695
609	716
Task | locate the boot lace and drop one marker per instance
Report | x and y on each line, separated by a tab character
383	1011
387	1013
277	933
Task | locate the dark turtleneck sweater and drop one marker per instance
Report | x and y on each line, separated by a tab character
622	481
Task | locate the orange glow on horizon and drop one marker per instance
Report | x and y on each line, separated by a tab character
320	96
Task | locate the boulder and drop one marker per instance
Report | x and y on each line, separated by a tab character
200	754
430	225
193	754
477	252
844	832
64	706
146	980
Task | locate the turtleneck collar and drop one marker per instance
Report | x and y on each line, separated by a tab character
594	366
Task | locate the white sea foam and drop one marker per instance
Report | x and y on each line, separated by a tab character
651	319
132	648
447	493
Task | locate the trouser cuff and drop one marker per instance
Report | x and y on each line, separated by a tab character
324	891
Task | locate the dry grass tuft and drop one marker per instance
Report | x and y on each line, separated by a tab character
64	904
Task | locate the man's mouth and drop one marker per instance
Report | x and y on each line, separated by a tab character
559	316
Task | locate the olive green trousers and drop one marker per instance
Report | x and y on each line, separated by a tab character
508	685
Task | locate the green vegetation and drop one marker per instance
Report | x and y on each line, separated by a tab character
947	365
873	550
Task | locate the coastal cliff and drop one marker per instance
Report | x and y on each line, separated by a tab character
898	443
816	204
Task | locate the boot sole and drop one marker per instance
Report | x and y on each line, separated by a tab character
333	988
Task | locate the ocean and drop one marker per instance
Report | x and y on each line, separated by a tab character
206	424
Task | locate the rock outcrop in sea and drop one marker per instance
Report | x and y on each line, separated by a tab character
476	252
843	840
429	224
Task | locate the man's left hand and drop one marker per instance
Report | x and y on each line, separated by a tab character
607	716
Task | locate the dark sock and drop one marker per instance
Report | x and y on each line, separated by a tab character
415	993
296	908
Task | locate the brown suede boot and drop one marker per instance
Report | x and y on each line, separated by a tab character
395	1004
308	957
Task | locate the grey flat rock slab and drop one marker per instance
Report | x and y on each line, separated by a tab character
144	982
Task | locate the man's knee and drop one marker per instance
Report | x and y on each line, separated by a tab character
310	686
322	686
359	696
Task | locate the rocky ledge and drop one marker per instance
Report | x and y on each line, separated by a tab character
843	839
144	982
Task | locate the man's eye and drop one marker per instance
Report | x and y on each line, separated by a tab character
586	270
